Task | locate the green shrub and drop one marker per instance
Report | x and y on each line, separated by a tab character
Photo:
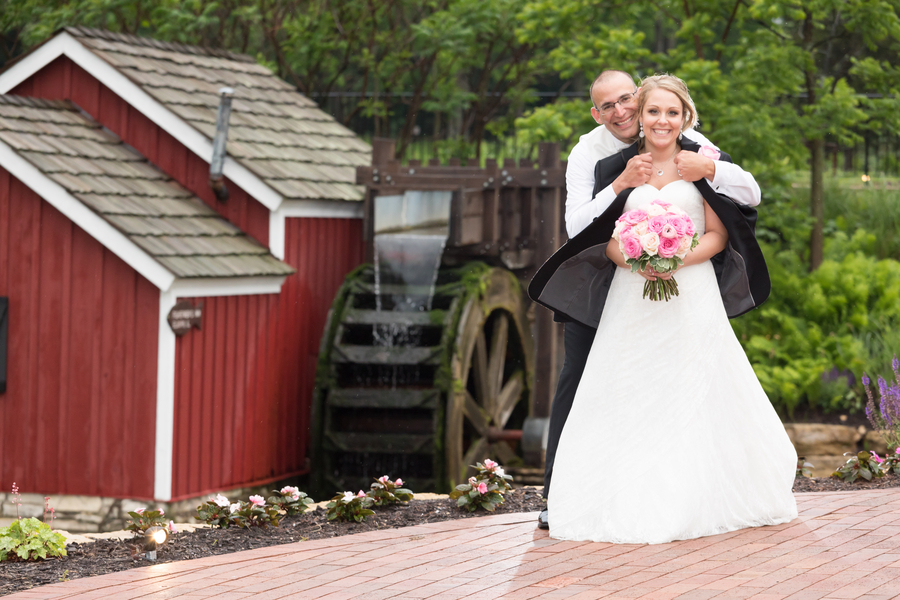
347	507
29	539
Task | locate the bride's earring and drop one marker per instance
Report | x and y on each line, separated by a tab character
680	135
641	134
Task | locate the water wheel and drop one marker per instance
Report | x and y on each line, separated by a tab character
421	394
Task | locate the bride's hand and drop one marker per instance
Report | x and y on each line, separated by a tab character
649	274
667	275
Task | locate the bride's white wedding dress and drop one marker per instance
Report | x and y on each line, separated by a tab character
670	436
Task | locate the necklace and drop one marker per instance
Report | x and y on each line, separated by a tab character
659	169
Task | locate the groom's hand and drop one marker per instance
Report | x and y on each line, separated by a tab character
693	167
637	172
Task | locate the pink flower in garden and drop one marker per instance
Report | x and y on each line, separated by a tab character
709	152
897	451
361	494
398	482
631	246
877	458
162	512
482	488
489	464
657	224
257	501
668	247
384	479
220	500
471	481
140	511
172	528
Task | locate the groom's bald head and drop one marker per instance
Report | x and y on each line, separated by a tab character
613	76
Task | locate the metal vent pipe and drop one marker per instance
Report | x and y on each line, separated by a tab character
216	179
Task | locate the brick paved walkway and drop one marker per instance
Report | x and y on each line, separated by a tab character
843	545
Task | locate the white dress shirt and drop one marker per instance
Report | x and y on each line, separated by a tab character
582	209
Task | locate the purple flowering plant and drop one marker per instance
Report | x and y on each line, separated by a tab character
884	414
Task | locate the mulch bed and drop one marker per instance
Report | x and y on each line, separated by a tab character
109	556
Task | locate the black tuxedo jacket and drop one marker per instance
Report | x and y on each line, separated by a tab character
575	281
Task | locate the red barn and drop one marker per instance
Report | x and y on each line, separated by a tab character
107	221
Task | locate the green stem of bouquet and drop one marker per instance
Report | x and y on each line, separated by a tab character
661	289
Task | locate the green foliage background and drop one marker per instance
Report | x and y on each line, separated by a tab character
775	81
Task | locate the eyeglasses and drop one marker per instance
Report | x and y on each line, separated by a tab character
624	101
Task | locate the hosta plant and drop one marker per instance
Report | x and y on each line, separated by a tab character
385	492
291	500
485	490
804	469
865	464
347	507
142	519
29	539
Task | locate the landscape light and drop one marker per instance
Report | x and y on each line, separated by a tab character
153	538
866	178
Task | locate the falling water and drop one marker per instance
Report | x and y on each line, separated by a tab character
411	232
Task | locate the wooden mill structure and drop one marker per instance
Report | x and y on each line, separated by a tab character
479	376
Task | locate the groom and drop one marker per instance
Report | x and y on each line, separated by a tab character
614	98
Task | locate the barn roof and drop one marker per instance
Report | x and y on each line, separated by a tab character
275	131
179	231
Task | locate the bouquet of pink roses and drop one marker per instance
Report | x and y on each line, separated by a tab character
658	235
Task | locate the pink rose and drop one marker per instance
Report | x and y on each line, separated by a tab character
257	501
679	223
668	247
482	488
689	230
633	217
650	243
657	223
631	246
668	231
709	152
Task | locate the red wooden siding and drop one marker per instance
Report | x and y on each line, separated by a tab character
62	79
243	384
79	413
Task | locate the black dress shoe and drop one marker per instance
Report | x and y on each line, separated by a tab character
544	520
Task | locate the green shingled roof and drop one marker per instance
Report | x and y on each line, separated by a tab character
172	225
275	131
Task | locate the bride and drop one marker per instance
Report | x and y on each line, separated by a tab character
671	436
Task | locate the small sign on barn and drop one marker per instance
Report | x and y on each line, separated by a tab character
185	315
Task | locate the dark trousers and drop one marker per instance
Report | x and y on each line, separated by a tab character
578	341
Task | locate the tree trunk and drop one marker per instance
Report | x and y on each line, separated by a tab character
817	202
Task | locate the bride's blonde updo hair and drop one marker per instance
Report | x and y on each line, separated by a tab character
673	84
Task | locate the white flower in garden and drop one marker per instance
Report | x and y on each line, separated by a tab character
221	500
140	511
348	497
384	479
290	490
499	472
235	507
257	500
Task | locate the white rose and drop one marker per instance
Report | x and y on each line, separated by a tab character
654	210
650	242
640	229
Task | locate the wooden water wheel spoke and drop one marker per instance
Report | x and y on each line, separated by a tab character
497	357
476	452
508	398
479	419
503	453
481	373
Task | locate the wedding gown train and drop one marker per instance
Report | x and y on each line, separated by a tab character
670	436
